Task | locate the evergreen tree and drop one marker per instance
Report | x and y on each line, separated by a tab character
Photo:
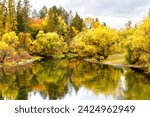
11	19
70	18
34	14
52	19
26	13
20	16
77	22
128	25
1	20
77	25
23	11
104	24
43	12
97	20
3	11
63	13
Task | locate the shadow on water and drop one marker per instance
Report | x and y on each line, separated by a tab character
79	80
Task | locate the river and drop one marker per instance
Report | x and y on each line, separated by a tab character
72	80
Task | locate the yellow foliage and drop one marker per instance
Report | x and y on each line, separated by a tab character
25	40
11	39
62	26
75	31
96	24
137	43
49	44
94	43
5	51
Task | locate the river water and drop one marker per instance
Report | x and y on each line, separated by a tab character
72	80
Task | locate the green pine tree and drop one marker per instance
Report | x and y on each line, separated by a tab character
11	19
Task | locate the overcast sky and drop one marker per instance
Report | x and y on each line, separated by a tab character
114	12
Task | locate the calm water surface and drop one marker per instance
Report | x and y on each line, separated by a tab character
72	80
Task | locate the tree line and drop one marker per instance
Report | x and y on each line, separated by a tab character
55	32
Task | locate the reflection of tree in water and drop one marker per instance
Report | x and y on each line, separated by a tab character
57	91
97	78
138	86
8	87
53	74
22	94
53	79
2	82
1	97
48	78
13	78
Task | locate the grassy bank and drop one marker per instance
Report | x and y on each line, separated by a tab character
116	60
21	62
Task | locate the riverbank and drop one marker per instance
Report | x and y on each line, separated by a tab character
21	62
117	60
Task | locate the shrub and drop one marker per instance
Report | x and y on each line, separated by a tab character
5	51
11	39
48	44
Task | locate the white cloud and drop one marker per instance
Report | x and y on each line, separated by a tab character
114	12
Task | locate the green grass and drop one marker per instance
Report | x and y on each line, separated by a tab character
115	59
36	58
119	60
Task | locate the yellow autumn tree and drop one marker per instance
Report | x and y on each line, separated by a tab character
11	39
137	45
94	43
48	44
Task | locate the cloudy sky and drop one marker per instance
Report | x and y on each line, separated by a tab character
114	12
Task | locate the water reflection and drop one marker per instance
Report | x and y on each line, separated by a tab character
72	80
138	86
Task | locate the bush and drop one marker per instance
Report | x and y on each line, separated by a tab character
11	39
94	43
5	51
24	54
48	44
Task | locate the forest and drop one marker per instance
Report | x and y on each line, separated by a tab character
55	33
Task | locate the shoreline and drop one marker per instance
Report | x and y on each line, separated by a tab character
38	58
119	65
114	64
21	63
